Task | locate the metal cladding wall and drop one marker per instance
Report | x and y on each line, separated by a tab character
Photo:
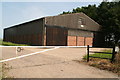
77	35
61	36
81	33
26	33
61	30
56	36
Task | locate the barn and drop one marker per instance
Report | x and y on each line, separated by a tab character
62	30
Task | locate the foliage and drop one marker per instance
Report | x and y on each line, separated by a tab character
107	14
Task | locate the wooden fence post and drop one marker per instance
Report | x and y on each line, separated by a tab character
113	54
87	53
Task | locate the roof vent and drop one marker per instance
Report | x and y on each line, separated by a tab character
81	22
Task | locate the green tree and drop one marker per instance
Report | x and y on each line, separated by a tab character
108	17
107	14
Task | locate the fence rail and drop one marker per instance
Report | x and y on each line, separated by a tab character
88	53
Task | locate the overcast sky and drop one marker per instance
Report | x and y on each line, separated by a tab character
19	12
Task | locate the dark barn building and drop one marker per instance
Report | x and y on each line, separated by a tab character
63	30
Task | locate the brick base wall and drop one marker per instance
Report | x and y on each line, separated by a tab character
79	41
88	41
71	41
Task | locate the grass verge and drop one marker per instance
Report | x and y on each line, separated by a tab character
11	44
101	55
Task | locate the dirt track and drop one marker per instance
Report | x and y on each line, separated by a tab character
58	63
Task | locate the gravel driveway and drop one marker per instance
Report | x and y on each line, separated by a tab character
58	63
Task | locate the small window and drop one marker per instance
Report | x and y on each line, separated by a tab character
81	21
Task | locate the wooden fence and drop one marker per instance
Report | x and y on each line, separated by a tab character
88	53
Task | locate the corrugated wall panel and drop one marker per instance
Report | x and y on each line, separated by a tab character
26	33
56	36
80	33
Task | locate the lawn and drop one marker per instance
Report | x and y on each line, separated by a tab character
10	44
100	55
109	56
